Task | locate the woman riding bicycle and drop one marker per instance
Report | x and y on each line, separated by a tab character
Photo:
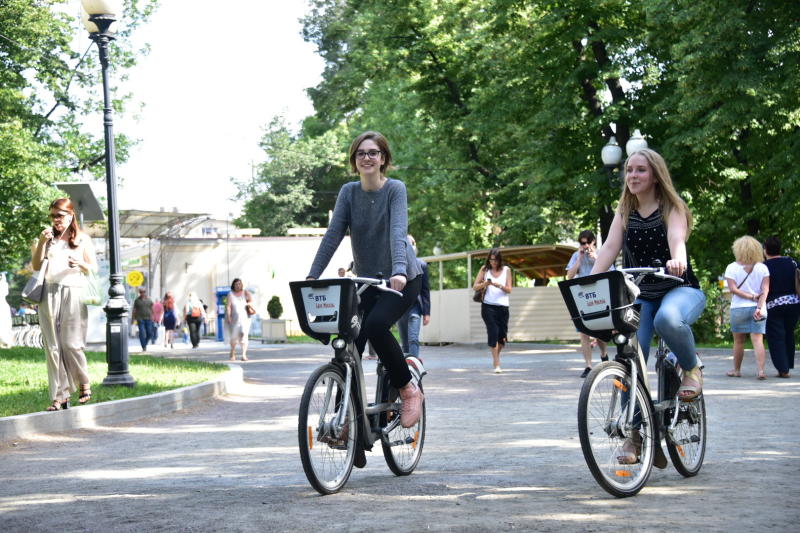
652	223
375	210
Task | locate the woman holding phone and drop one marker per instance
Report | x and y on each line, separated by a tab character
62	316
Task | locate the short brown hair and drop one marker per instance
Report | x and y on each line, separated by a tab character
382	143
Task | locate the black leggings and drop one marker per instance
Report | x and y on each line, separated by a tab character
381	310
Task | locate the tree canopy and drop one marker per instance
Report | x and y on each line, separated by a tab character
47	91
497	111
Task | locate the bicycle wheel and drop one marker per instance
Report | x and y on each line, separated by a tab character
327	457
402	447
601	413
687	443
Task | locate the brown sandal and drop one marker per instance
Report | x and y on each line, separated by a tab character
86	394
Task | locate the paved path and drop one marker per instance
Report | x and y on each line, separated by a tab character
502	453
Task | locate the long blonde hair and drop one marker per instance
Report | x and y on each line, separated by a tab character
668	198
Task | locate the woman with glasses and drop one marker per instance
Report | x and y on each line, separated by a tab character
494	279
62	316
581	264
375	211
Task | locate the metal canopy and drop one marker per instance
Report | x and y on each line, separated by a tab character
542	261
83	199
151	224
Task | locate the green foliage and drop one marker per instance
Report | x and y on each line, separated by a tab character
497	111
298	183
48	91
274	307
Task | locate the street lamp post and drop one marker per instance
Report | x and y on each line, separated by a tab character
99	16
611	155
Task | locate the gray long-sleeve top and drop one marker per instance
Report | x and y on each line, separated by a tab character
378	224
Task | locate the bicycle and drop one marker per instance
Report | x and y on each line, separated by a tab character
336	423
601	305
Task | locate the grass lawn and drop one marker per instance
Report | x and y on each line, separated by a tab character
23	378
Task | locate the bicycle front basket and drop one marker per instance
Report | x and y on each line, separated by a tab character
327	307
600	303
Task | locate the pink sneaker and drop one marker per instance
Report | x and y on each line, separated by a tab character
411	408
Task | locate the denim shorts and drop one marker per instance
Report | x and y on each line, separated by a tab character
742	321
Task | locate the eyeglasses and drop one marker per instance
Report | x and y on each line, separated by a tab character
493	259
584	243
56	216
372	154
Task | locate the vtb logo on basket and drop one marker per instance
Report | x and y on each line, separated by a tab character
590	298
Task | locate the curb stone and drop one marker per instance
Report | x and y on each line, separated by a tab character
118	411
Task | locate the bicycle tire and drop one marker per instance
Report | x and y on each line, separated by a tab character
327	460
687	444
600	403
402	447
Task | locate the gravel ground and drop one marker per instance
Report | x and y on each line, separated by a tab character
502	453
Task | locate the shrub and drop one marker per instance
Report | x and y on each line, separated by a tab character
274	307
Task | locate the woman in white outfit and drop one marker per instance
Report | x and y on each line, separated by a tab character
494	279
237	319
62	316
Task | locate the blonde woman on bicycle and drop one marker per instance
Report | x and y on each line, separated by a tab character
653	223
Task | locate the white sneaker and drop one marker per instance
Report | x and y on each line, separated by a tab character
497	370
416	368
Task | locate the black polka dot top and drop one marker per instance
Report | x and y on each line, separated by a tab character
646	240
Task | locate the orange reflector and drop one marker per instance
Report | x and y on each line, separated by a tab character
618	384
622	473
310	438
680	451
416	438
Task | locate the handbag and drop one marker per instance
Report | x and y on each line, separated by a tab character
478	296
34	289
249	309
91	294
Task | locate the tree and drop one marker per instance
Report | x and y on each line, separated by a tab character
498	109
46	87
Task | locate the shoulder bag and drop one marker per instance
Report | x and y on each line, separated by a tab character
34	289
480	293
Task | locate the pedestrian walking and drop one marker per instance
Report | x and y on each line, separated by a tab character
143	314
494	279
419	314
748	281
238	310
194	315
62	316
581	264
783	306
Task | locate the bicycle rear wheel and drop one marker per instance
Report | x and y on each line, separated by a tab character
327	457
601	413
402	447
687	443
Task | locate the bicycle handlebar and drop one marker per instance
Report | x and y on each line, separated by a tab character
382	284
654	271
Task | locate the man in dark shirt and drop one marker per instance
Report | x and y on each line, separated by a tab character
143	314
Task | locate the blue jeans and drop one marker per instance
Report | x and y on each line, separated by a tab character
146	328
672	316
408	326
